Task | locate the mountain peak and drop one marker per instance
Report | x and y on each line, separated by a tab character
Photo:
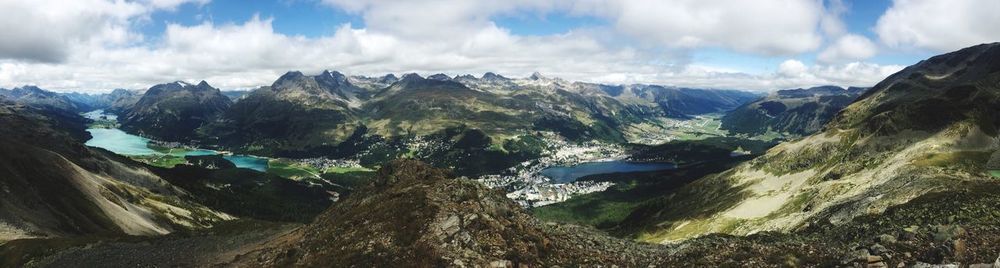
30	89
536	76
490	76
439	77
388	79
332	79
181	83
290	75
335	74
155	113
411	77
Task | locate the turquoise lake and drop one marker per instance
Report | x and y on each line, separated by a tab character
564	174
119	142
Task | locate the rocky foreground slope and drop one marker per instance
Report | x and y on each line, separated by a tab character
413	215
418	216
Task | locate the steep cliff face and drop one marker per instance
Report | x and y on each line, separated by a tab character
929	128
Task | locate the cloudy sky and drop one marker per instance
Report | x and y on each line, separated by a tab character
98	45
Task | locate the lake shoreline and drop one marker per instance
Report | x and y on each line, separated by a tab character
135	146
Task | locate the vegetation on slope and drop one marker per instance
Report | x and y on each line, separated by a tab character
929	128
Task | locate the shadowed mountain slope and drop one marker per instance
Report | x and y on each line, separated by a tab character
174	111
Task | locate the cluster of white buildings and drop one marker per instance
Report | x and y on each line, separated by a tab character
322	163
526	185
544	194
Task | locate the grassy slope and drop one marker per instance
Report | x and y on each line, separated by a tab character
959	225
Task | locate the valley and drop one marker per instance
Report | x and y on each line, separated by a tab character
545	180
521	161
332	169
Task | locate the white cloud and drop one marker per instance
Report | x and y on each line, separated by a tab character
792	68
44	30
47	30
848	48
940	25
172	4
848	74
435	19
453	37
831	23
767	27
789	74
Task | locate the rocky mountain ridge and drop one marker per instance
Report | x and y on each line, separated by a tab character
335	115
32	95
791	112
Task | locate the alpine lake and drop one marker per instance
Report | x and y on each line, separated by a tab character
120	142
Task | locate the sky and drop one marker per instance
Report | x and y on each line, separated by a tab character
762	45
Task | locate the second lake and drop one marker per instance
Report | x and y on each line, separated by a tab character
564	174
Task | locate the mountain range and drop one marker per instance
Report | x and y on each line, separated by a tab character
34	96
378	119
791	111
901	174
